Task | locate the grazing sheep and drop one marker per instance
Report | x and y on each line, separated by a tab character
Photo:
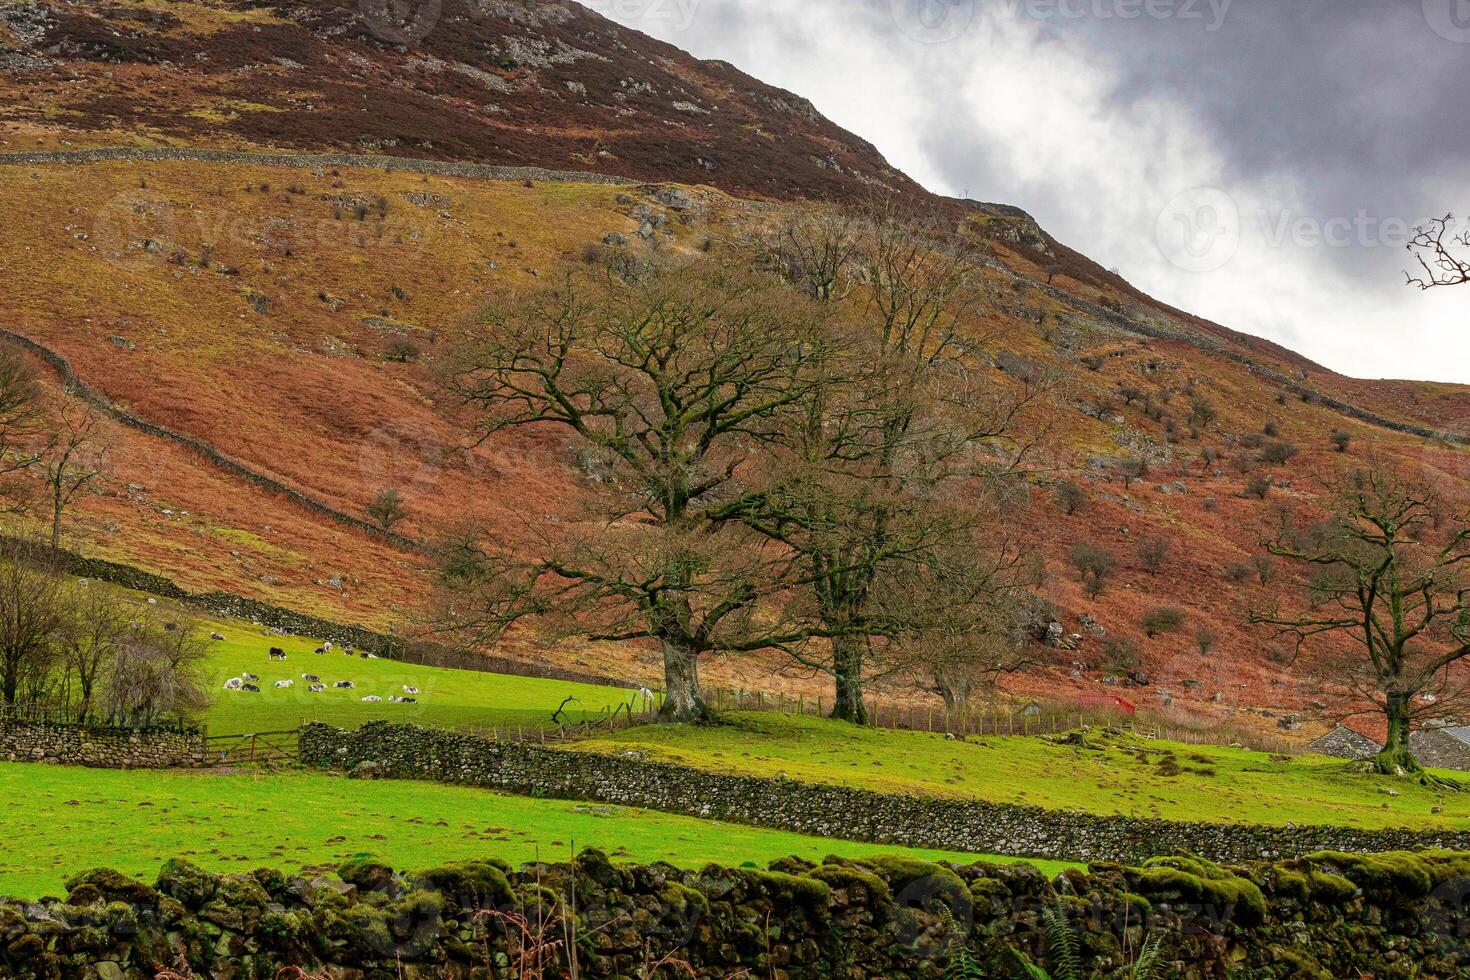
319	651
250	689
345	685
310	678
234	683
277	653
282	684
372	699
250	677
408	700
409	689
317	688
327	646
216	636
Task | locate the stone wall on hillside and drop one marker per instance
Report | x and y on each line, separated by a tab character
975	827
1393	916
99	747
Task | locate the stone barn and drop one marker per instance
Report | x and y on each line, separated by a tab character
1344	743
1442	745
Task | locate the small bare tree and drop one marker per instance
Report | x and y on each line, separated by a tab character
388	508
1380	576
97	622
1433	247
31	614
74	460
21	416
159	671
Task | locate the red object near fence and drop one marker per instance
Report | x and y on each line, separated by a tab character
1108	702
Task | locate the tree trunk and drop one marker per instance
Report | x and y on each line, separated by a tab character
847	670
682	702
1397	759
56	520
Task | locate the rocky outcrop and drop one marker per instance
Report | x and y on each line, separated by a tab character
1325	916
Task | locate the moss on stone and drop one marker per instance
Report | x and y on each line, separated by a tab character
186	882
469	884
1393	873
850	880
366	872
1199	881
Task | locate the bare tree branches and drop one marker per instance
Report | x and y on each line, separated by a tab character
73	460
1433	248
1378	573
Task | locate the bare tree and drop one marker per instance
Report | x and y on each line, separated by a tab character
388	508
674	380
1433	247
31	614
74	460
1379	575
21	415
816	250
97	622
159	671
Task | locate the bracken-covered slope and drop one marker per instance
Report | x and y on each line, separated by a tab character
271	312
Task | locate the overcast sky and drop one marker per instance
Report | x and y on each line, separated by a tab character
1259	162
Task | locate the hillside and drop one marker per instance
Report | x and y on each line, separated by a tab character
284	313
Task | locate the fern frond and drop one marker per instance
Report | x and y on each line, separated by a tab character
1032	970
1063	942
1147	964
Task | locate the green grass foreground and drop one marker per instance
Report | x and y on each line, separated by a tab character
1124	775
454	699
60	820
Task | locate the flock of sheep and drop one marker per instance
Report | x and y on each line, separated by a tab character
250	683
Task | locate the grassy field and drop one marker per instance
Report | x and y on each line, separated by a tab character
61	820
456	699
1209	783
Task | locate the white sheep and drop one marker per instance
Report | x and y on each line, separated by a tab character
310	678
234	683
317	688
250	677
281	684
409	689
372	699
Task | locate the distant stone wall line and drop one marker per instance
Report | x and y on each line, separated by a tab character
199	447
479	171
970	826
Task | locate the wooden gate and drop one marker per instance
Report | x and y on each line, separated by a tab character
259	748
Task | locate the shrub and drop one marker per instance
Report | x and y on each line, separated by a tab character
1132	469
401	350
1120	654
1210	505
1070	497
1204	639
1276	453
1153	552
1272	429
1265	567
1342	440
1237	573
1163	619
388	508
1258	487
1091	558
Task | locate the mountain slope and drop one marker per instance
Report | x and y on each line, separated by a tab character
282	313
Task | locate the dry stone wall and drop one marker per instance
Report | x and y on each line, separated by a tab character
409	752
99	747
